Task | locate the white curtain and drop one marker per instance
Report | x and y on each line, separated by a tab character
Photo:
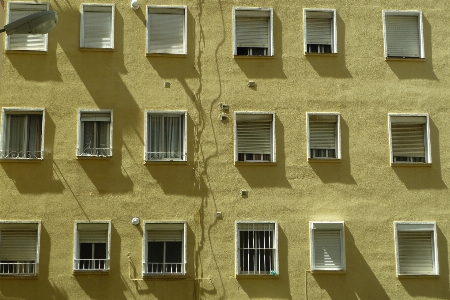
24	136
165	137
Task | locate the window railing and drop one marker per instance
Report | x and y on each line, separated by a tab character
20	154
100	152
91	264
164	156
164	268
18	268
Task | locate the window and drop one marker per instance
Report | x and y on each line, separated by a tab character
254	137
95	133
166	29
416	248
410	139
320	31
92	246
403	34
327	246
324	136
165	248
253	31
30	42
19	248
23	133
97	26
256	248
166	136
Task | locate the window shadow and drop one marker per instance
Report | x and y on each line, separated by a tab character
332	65
417	70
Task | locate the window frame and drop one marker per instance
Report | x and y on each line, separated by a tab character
148	31
3	141
8	37
82	28
275	271
418	227
80	135
21	225
272	138
417	13
333	30
325	225
148	224
270	48
427	139
181	113
338	152
76	248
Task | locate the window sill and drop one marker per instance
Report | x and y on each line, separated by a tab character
88	272
163	276
406	164
21	159
324	160
321	54
167	162
19	276
264	276
165	55
336	272
96	49
404	59
26	52
93	157
256	163
253	56
410	276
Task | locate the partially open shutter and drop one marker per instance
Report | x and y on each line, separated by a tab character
165	232
102	117
415	251
322	135
319	28
254	137
166	32
408	140
98	28
252	28
92	233
402	36
327	250
18	245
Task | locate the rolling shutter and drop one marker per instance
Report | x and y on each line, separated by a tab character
98	27
408	140
31	42
102	117
322	131
18	245
327	250
92	233
319	28
402	36
166	32
254	135
165	232
252	28
415	252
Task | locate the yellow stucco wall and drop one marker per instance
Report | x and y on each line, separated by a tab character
362	190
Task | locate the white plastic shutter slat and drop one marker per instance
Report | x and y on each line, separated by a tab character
254	137
319	31
322	135
165	235
408	140
98	29
93	236
327	250
402	36
252	32
26	41
166	33
415	251
18	245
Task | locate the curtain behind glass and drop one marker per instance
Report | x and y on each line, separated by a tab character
88	134
24	136
172	137
156	137
34	136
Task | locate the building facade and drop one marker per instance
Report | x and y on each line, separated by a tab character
226	150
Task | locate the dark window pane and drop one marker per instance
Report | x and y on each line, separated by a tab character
155	252
242	51
173	252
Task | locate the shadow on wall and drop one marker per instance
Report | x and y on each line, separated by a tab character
408	69
424	177
37	177
359	282
332	66
269	176
339	172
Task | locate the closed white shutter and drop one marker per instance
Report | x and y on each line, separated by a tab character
402	36
102	117
167	29
415	251
18	245
319	27
408	140
30	42
327	250
98	27
165	232
322	132
252	32
254	137
92	233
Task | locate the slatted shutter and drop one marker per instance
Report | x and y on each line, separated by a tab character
29	42
165	232
101	117
92	233
254	133
415	252
252	32
408	136
327	250
98	28
18	245
402	36
319	27
322	131
166	32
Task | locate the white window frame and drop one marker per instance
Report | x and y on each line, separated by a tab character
8	43
275	269
21	268
333	29
148	29
417	227
427	140
91	8
80	136
183	140
254	12
337	148
7	154
145	259
76	251
315	227
272	137
404	13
